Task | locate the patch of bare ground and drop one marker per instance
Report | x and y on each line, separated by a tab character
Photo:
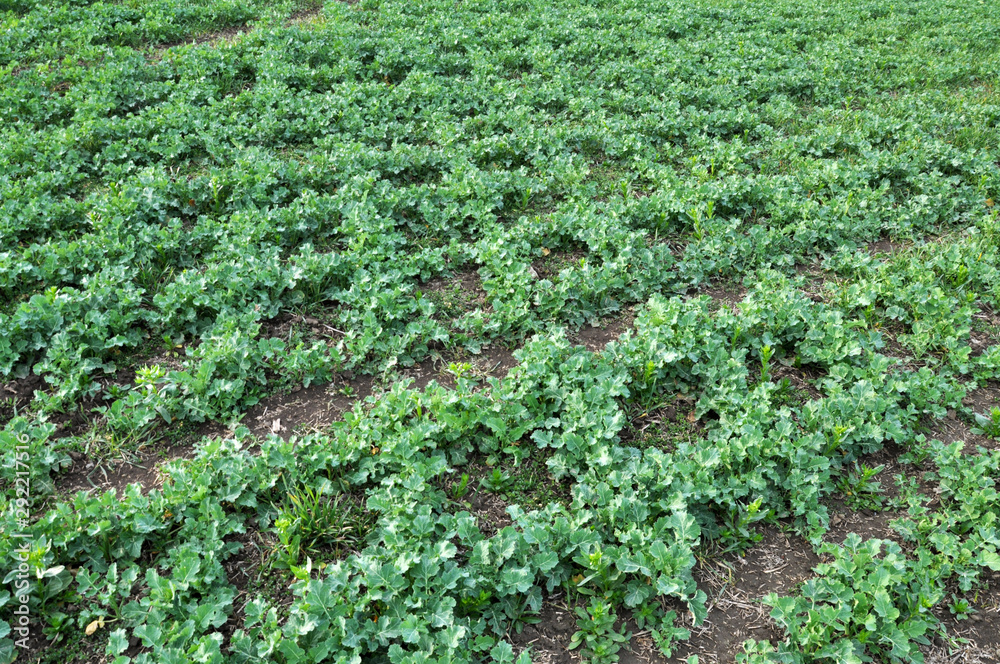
492	361
595	337
431	369
549	638
664	427
724	295
974	639
954	427
985	330
226	35
885	246
855	514
528	484
308	408
490	511
866	523
306	17
894	349
555	261
249	573
102	475
495	361
802	379
488	508
735	584
17	394
813	271
457	294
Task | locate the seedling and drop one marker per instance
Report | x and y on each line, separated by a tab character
460	488
860	489
597	634
988	424
765	358
496	481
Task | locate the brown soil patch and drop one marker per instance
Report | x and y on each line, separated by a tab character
885	247
975	639
306	16
549	638
309	408
456	295
803	379
663	427
17	394
980	340
489	509
726	296
596	337
102	475
954	427
984	398
550	265
494	361
814	270
735	584
225	36
431	369
868	524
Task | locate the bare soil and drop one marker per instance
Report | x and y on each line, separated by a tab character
117	474
596	337
306	409
955	427
17	394
725	295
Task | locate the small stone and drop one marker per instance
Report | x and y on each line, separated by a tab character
976	617
951	414
297	388
90	464
836	520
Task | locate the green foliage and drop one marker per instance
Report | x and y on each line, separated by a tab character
273	205
988	424
860	489
597	634
861	605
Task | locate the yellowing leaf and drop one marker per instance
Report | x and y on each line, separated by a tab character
94	626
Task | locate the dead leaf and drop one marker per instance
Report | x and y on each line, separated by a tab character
94	626
691	417
545	252
989	202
